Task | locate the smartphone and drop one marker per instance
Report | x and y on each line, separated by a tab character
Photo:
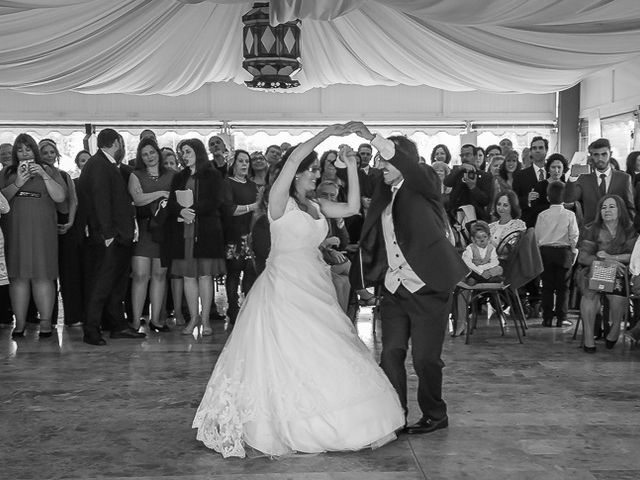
578	169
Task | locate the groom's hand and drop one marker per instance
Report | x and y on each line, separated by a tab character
360	129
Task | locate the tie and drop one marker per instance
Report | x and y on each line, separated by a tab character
602	188
540	175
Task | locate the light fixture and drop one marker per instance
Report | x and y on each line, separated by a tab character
271	54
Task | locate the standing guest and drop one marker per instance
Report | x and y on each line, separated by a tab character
284	146
258	169
148	186
4	277
492	150
557	235
481	162
633	166
527	158
218	150
6	315
417	281
32	189
442	169
441	153
329	173
469	186
5	155
147	133
81	159
610	238
273	154
169	159
507	211
245	200
67	255
588	188
555	167
194	236
366	152
110	222
505	145
507	170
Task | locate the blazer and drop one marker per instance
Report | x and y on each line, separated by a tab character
211	196
524	181
419	224
585	190
107	207
480	197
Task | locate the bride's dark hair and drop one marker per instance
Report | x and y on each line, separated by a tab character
304	165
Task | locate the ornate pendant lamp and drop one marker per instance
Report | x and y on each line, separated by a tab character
271	54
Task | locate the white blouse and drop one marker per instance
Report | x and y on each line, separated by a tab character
498	231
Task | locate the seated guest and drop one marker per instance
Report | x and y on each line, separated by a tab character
337	239
469	186
507	210
32	189
148	186
245	200
482	259
610	238
557	235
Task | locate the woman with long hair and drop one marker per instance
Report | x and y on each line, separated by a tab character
609	238
441	153
148	186
194	236
294	376
31	228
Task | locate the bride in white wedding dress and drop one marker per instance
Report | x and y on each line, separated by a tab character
294	376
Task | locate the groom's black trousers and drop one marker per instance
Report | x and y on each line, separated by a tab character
421	317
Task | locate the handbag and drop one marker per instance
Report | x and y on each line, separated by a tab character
603	276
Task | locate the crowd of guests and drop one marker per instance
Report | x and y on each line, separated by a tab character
121	238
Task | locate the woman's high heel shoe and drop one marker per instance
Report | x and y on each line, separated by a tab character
191	326
155	328
610	343
17	333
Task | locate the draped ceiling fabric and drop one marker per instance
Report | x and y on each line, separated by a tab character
173	47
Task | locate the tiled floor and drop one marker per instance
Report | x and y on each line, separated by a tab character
541	410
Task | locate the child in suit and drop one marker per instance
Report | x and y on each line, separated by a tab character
557	235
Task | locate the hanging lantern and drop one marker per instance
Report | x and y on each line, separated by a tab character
271	54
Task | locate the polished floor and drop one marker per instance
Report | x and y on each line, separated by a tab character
541	410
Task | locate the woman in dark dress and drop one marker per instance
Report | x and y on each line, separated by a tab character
148	186
194	236
245	200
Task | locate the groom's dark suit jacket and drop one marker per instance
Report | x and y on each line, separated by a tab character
418	219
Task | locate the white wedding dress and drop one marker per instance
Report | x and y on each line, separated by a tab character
294	376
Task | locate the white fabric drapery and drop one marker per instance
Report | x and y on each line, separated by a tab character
173	47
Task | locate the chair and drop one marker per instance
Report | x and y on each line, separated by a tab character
508	251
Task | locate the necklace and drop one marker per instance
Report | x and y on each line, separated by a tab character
153	176
239	180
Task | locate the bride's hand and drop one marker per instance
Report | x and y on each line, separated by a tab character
347	155
338	130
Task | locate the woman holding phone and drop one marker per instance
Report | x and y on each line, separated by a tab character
33	189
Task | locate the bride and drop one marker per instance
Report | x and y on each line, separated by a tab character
294	376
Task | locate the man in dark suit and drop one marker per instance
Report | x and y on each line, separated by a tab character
404	247
589	188
469	185
526	179
110	218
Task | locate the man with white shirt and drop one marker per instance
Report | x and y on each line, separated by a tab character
589	188
404	248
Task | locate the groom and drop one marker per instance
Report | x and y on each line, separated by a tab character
404	247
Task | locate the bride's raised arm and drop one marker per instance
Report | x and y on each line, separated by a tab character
279	193
352	206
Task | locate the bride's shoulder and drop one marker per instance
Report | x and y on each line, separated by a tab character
291	205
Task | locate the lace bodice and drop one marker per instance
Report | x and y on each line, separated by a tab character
297	231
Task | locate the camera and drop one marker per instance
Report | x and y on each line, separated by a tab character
471	175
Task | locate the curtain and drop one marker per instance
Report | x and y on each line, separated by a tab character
173	47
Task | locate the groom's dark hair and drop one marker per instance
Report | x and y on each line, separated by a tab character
408	147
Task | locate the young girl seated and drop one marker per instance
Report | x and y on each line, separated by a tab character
482	259
481	256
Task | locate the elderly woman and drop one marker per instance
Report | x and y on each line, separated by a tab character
194	237
148	186
31	229
507	210
610	238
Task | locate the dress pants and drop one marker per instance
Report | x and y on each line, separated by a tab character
556	276
232	281
108	274
71	272
422	317
6	315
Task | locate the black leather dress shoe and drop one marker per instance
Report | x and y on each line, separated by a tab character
94	341
427	425
546	323
127	333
